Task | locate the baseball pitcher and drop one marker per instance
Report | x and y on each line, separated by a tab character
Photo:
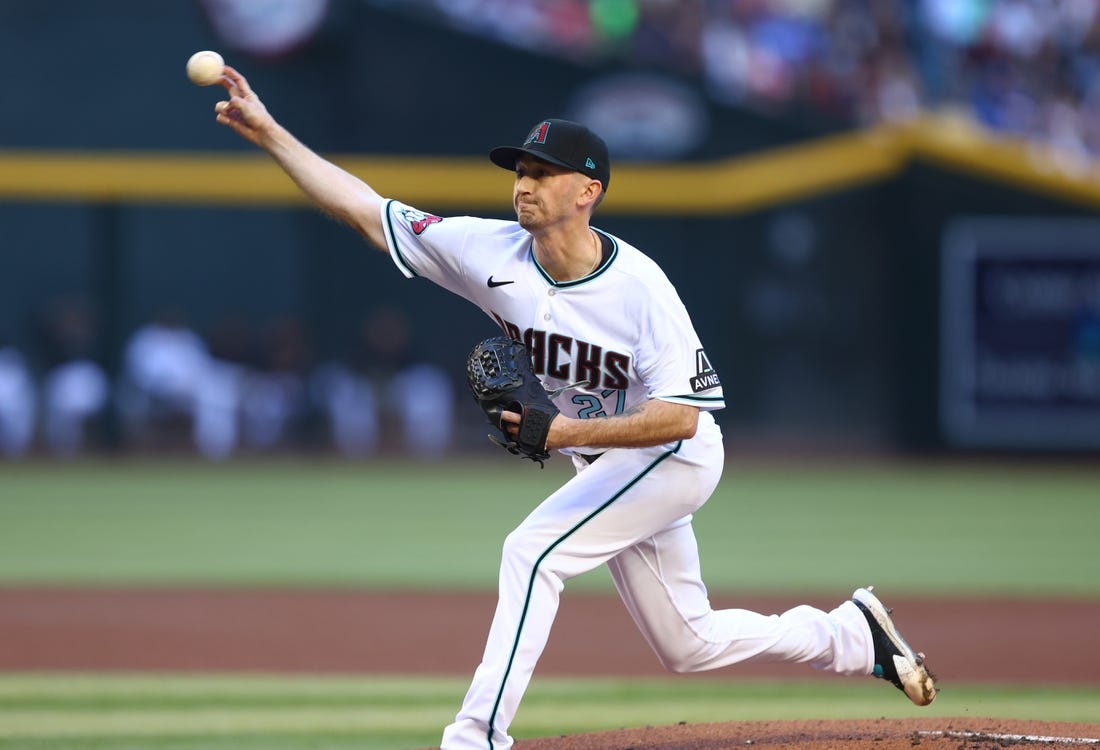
597	360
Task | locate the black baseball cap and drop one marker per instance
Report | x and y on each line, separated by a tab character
562	142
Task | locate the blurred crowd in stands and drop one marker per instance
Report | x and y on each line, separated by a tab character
234	392
1022	67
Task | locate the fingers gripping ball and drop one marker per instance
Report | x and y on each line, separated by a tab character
500	377
205	68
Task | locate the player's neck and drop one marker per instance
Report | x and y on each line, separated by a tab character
567	256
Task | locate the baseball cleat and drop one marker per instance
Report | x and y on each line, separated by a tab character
895	661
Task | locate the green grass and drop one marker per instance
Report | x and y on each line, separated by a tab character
81	712
932	528
936	528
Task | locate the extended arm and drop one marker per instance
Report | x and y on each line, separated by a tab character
334	190
653	422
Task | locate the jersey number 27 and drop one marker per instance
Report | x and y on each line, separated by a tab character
591	406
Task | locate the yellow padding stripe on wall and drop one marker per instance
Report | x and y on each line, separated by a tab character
733	185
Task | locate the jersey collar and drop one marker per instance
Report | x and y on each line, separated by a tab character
610	247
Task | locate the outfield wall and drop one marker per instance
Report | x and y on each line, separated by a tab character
809	256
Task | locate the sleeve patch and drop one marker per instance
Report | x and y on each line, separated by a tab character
705	376
418	220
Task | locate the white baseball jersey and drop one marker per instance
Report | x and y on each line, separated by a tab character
623	330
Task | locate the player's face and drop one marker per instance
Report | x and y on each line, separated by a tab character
545	194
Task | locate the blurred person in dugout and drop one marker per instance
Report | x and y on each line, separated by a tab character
75	386
378	394
273	396
232	358
164	368
17	401
179	391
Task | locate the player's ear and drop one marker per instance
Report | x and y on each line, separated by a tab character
591	194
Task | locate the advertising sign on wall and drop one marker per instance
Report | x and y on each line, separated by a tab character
1020	333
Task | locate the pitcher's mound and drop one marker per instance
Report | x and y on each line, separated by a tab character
879	734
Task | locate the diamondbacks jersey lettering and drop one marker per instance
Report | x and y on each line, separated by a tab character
642	346
563	358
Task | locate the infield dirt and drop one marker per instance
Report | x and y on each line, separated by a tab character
967	640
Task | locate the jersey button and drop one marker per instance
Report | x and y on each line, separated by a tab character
546	316
552	292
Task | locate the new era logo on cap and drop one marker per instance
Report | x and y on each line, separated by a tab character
562	142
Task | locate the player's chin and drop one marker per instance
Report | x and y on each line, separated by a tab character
526	217
529	221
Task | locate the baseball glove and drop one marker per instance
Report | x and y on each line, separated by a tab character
499	373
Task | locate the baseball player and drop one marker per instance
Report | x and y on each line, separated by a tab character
602	322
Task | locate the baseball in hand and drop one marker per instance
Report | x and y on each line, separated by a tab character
205	68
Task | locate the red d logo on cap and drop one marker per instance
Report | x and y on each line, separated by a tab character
538	135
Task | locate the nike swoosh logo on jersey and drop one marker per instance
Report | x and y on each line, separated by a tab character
492	283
